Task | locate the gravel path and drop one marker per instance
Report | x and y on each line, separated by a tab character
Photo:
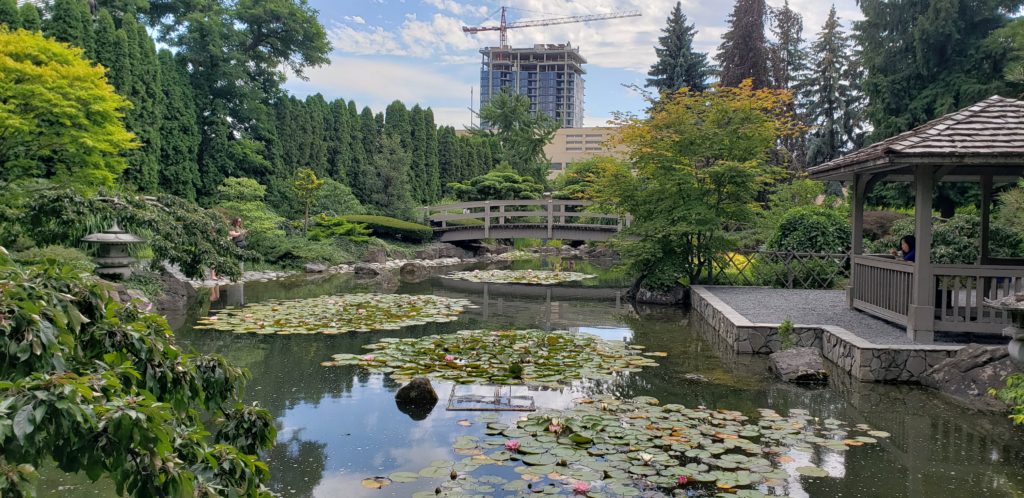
808	307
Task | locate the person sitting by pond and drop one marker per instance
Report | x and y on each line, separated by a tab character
237	233
907	249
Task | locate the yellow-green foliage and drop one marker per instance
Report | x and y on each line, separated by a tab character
58	115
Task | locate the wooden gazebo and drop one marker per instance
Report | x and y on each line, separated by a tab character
983	143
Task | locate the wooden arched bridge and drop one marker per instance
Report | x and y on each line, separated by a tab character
524	219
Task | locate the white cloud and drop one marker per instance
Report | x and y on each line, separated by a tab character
457	8
355	19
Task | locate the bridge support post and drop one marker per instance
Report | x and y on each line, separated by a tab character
487	219
551	219
501	211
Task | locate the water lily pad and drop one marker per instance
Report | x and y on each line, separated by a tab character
536	357
812	471
336	314
532	277
404	477
376	482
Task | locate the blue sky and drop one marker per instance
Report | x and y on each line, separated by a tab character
415	51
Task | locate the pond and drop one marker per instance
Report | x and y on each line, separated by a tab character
340	425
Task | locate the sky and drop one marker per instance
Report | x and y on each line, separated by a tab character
415	50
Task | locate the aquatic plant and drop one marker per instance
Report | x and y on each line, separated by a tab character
533	277
535	357
336	314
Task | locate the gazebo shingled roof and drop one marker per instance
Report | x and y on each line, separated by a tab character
989	133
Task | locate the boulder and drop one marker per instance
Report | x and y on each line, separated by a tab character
492	250
801	365
602	252
675	296
967	376
176	296
316	267
365	270
377	255
414	272
417	398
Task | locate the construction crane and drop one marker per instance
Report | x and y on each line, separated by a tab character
503	27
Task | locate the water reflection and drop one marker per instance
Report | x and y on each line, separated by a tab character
340	425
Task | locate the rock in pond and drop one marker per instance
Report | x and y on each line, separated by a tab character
676	296
967	376
365	270
800	365
376	255
414	272
316	267
417	398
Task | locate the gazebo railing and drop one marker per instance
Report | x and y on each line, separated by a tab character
962	291
883	287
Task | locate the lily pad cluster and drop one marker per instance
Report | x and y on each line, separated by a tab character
610	447
536	357
533	277
336	314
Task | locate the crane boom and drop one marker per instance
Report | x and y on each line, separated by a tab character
504	26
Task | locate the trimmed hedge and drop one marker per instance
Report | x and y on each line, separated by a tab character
393	228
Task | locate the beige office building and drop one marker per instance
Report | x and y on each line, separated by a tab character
571	145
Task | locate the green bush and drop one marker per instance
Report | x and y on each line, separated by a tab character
956	241
393	228
67	256
811	229
332	227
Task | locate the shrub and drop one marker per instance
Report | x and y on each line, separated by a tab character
332	227
67	256
879	223
102	388
956	241
393	228
811	229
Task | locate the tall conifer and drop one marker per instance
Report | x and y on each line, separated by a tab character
179	131
788	57
678	65
70	22
744	50
9	14
831	102
30	17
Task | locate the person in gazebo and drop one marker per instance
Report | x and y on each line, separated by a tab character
907	249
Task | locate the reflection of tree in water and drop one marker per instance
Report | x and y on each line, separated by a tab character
298	465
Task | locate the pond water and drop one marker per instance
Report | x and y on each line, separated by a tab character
338	425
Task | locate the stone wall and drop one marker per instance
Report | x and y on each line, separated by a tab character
865	361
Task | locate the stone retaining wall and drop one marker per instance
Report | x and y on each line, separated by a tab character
864	360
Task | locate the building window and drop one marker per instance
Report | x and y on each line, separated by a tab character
556	166
574	149
574	142
595	135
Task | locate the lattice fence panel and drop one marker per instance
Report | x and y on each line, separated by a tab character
781	269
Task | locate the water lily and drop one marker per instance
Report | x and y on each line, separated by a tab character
360	311
369	357
580	488
512	445
554	426
449	358
682	480
645	457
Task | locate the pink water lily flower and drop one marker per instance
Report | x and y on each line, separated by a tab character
683	480
449	358
361	311
512	445
580	488
369	357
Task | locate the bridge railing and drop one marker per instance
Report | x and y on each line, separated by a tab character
550	212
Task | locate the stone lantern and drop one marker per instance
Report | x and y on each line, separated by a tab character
1013	305
112	260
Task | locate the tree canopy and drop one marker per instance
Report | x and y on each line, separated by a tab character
520	135
59	118
502	183
744	51
678	65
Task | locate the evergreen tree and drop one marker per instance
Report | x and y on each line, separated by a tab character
9	14
338	138
31	19
744	51
417	149
142	88
830	100
428	130
788	58
105	49
356	151
926	59
179	131
360	176
678	65
389	191
448	160
70	22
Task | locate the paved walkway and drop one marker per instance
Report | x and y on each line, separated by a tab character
808	307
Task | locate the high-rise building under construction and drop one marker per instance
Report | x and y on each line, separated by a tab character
550	75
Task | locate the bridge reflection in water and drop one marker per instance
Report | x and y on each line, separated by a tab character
523	219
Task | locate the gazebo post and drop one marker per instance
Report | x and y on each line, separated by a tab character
986	215
921	319
860	193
